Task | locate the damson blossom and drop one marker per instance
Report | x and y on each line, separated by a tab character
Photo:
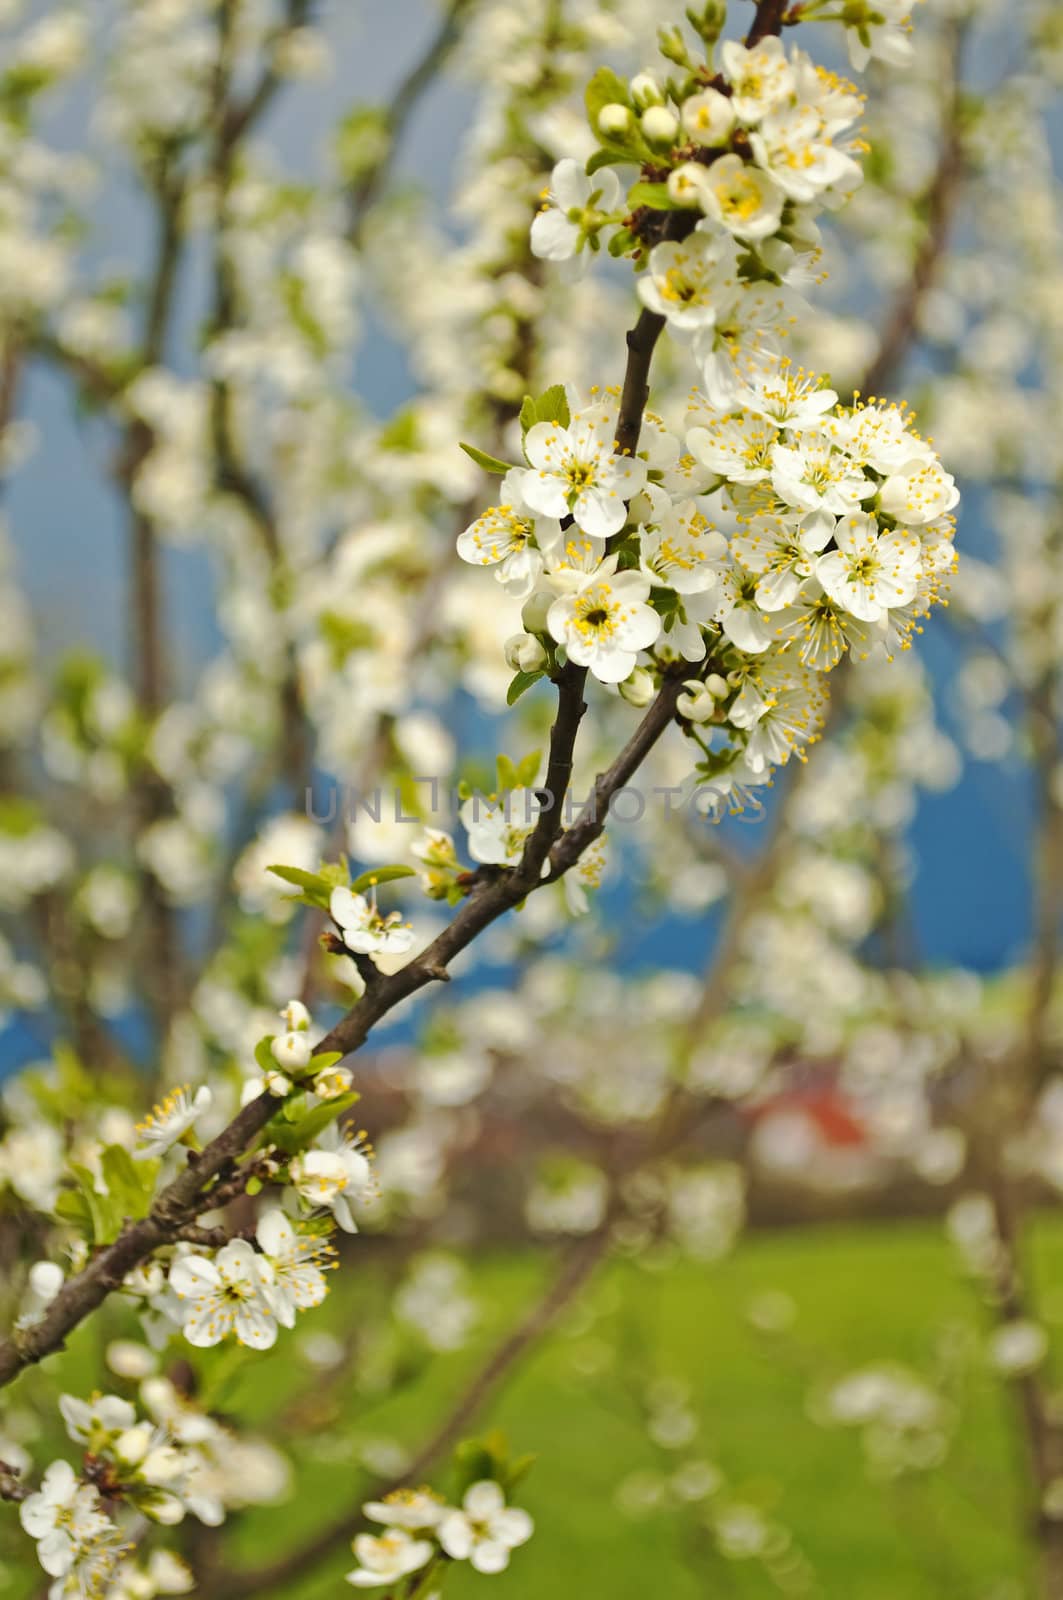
65	1517
364	930
869	573
388	1557
575	472
606	622
298	1261
575	209
687	282
485	1530
228	1296
171	1121
510	538
745	200
499	827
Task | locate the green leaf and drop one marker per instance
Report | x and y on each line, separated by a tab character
604	89
131	1184
528	770
552	406
622	242
520	684
106	1222
378	875
508	776
315	886
482	459
254	1186
327	1058
611	155
654	195
264	1055
292	1137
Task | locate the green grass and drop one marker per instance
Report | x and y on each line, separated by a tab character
861	1295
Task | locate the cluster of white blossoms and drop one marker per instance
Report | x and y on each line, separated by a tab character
422	1530
164	1460
779	528
759	547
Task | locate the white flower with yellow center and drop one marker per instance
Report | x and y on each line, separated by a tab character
576	472
921	492
299	1262
364	930
683	551
747	201
782	554
485	1530
229	1295
169	1121
761	78
499	826
870	573
64	1517
388	1558
358	1185
708	118
788	396
739	447
791	719
574	201
740	616
407	1508
878	30
688	282
605	622
790	146
822	629
811	475
749	326
510	537
880	436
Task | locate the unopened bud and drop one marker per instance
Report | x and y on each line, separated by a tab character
614	120
646	91
696	703
533	613
524	653
638	689
686	184
660	125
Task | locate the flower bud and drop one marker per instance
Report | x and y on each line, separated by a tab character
614	120
129	1359
134	1443
696	703
660	125
331	1082
717	686
638	689
295	1016
524	653
533	614
686	184
46	1280
646	91
291	1051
